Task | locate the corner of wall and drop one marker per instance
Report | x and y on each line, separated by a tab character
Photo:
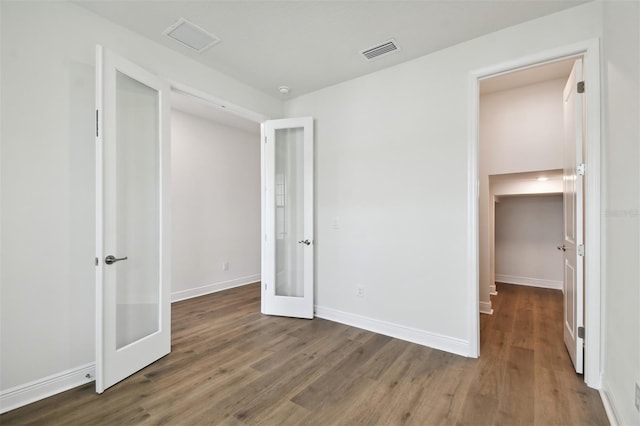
36	390
486	308
409	334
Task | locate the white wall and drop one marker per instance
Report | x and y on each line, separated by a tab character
520	130
215	205
392	170
528	229
621	133
47	272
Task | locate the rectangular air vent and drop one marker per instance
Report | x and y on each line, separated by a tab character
191	35
385	48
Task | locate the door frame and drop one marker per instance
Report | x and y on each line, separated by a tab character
241	112
590	51
218	102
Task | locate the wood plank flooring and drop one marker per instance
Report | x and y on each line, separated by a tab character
230	365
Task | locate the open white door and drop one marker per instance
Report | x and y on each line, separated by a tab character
133	315
573	246
287	217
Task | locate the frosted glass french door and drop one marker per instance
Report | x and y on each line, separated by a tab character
132	185
288	217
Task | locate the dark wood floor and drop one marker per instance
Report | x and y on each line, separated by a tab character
231	365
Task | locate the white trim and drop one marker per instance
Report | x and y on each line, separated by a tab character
220	103
530	282
485	308
36	390
409	334
493	291
263	216
593	197
590	50
177	296
99	271
473	189
610	407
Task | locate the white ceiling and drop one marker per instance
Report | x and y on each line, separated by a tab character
532	75
308	45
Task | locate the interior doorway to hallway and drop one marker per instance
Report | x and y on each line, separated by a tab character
479	185
521	140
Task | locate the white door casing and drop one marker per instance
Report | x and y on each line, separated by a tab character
589	50
288	217
133	315
573	239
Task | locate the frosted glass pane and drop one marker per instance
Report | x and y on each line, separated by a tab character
289	199
137	211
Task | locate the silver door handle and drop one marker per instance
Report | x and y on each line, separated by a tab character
110	260
562	247
306	242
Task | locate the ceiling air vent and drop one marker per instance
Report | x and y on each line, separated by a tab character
382	49
191	35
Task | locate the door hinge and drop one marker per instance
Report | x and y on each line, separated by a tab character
265	139
265	286
581	87
96	261
580	169
581	332
580	249
97	124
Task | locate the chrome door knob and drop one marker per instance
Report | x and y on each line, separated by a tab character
110	260
305	242
562	247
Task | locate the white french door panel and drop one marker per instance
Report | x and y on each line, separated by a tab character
133	313
573	219
287	217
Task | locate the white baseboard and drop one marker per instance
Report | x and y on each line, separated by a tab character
485	308
421	337
39	389
609	407
531	282
212	288
492	289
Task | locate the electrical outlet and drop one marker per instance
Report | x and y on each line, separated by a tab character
225	266
637	397
360	291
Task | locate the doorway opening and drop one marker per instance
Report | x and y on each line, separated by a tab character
521	144
215	205
505	76
526	225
